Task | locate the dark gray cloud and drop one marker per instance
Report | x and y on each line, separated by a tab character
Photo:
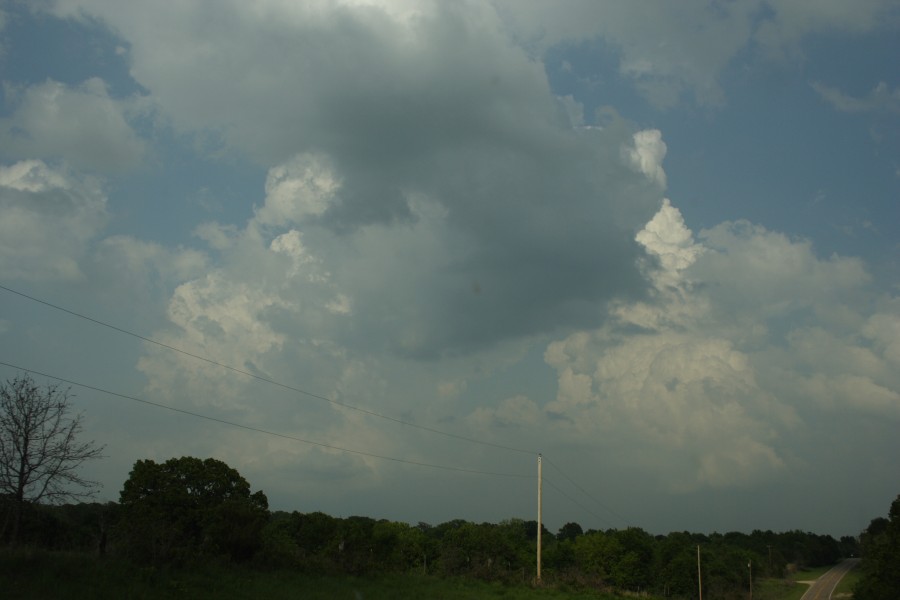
440	108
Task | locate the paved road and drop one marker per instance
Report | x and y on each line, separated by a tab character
823	587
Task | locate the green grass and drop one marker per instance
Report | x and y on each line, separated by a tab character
37	574
845	587
811	574
778	589
789	589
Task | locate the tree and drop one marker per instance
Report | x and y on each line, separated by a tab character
40	452
881	558
187	507
569	531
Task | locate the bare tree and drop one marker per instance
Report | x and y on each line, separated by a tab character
39	449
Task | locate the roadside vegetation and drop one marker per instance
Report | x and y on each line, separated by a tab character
55	575
879	577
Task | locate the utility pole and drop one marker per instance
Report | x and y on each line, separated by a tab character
699	580
539	523
750	566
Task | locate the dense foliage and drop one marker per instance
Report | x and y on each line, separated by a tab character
881	558
193	510
187	507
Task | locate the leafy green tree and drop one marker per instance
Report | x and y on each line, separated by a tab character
881	558
415	547
560	558
186	507
279	549
316	532
675	564
569	531
597	554
518	552
356	552
40	452
632	570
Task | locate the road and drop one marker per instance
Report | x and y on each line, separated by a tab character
822	588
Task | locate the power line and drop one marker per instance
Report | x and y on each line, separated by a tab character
574	501
310	395
265	431
585	492
266	379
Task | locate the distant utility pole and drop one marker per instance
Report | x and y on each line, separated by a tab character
750	566
539	523
699	580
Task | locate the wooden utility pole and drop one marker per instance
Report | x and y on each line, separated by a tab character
750	567
699	580
540	525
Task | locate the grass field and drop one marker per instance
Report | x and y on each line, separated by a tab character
25	574
778	589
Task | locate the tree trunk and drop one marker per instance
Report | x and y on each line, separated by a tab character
16	523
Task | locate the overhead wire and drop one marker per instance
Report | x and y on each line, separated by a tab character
304	393
266	379
585	492
265	431
574	501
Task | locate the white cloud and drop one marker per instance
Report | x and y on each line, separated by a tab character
674	49
141	275
712	398
218	319
81	125
451	388
290	244
218	236
682	398
304	185
667	49
647	155
340	304
880	99
47	219
268	301
140	258
883	329
769	274
667	237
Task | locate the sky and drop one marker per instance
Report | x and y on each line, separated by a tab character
378	255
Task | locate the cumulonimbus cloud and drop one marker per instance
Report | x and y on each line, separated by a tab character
713	374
